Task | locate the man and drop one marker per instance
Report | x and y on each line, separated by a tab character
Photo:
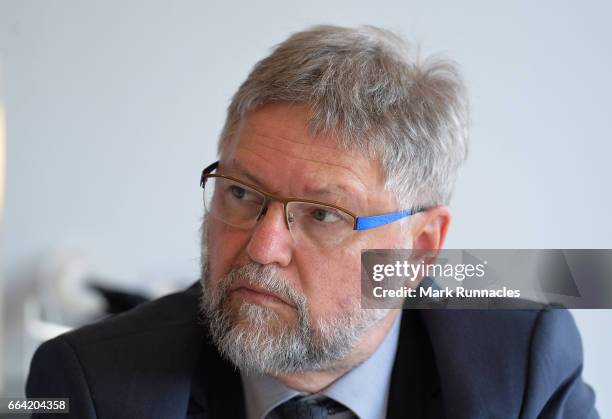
335	143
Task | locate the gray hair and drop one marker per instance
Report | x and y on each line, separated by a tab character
363	87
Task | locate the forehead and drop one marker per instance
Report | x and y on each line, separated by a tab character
274	143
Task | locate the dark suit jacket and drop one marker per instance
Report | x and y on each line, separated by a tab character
156	361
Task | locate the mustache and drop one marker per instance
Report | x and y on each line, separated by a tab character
267	277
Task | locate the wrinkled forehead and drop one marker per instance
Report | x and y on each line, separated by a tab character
275	143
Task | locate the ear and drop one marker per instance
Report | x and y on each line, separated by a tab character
429	227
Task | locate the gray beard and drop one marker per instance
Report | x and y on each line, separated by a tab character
258	340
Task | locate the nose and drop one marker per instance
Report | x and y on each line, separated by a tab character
271	241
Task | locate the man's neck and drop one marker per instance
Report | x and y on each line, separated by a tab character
315	381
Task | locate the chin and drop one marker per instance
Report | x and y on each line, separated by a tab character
256	317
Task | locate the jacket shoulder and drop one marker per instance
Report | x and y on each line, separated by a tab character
171	311
555	387
143	357
490	361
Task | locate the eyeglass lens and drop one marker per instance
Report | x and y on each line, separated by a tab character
240	206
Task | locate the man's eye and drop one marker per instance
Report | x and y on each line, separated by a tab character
238	192
244	195
325	216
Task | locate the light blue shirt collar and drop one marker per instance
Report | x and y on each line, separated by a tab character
364	389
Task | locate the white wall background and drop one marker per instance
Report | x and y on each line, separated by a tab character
113	109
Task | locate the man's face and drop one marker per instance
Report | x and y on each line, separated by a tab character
284	286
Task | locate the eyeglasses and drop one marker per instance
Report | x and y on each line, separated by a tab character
242	205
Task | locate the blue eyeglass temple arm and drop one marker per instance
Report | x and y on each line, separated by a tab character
361	223
373	221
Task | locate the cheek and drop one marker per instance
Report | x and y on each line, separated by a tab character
331	281
390	236
224	247
352	281
338	273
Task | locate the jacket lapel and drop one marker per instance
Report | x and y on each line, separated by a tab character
415	389
216	391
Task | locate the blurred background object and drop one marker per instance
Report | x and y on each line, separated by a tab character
62	292
2	139
113	109
2	146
